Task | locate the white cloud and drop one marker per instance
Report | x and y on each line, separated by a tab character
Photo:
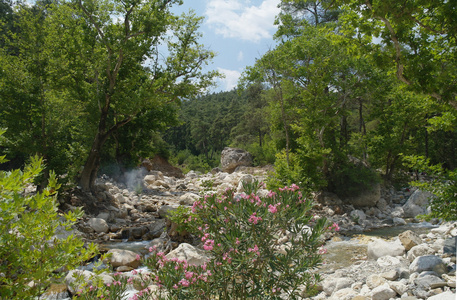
241	19
231	78
240	56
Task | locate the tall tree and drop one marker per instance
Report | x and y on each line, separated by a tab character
420	38
118	66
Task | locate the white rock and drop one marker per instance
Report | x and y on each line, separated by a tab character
191	254
344	294
416	204
99	225
188	199
419	250
358	215
379	248
373	281
383	292
443	296
120	257
398	287
387	261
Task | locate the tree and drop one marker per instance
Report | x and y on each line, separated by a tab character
111	55
419	36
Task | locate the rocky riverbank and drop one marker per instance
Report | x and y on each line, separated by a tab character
408	266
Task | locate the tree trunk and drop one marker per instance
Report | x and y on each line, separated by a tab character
89	172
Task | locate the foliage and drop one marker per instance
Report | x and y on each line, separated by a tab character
418	38
441	183
247	260
31	250
241	232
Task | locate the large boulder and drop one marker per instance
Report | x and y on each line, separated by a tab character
409	239
379	248
366	198
189	253
159	163
428	263
231	158
417	204
120	257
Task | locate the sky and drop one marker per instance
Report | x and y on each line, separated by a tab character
239	31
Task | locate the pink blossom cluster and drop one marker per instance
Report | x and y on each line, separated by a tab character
255	250
254	219
291	188
334	226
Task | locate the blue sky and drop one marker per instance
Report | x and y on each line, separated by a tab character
239	31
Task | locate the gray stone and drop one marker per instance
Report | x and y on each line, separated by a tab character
188	199
164	210
450	246
231	158
367	198
409	239
428	263
425	280
416	204
390	275
379	248
358	216
99	225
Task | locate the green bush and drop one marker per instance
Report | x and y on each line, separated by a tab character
30	252
442	184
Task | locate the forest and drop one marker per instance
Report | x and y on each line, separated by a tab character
354	92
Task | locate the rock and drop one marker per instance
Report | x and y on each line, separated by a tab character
358	216
367	198
231	158
383	292
409	239
416	204
248	178
428	279
373	281
327	198
344	294
86	276
443	296
379	248
398	287
419	250
159	163
121	257
390	275
164	210
99	225
428	263
388	261
450	246
189	253
188	199
55	292
399	221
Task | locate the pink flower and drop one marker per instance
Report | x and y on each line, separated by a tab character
334	226
254	219
237	241
138	257
184	282
255	250
322	250
272	209
209	245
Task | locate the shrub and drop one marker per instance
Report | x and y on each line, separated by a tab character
442	184
30	252
248	260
